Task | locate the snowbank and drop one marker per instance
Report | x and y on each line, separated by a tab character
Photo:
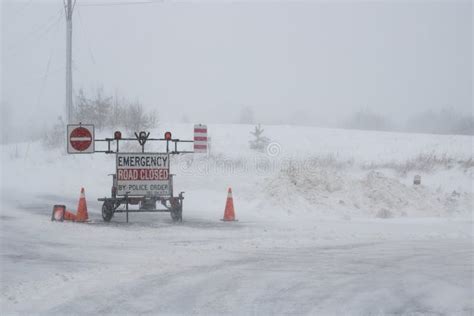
342	193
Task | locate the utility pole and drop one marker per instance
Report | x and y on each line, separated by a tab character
69	8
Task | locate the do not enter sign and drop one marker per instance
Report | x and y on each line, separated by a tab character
80	139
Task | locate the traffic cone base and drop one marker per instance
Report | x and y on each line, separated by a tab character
69	216
229	214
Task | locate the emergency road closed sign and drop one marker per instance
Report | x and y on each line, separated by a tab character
143	174
80	139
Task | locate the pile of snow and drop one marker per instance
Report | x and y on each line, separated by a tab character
346	193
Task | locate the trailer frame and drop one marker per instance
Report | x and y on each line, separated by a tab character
146	203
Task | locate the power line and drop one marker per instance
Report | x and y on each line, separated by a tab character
45	78
38	32
86	38
46	75
110	4
20	11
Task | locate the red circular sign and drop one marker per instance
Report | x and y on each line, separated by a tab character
80	139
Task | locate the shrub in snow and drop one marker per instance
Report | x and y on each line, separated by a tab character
384	213
423	162
56	136
260	142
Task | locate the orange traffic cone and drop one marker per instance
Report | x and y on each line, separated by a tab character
82	214
68	216
229	214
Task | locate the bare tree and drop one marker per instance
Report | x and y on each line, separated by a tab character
368	120
56	136
84	109
102	106
106	111
444	121
136	119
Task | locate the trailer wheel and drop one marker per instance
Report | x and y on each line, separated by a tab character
107	211
177	214
176	210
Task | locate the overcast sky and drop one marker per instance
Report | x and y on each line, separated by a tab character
312	61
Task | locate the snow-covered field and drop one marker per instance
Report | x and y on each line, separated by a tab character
329	223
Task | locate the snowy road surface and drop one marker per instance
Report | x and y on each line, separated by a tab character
204	266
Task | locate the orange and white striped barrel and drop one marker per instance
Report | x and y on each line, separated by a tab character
200	138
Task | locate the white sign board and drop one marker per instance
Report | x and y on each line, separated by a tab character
80	139
143	174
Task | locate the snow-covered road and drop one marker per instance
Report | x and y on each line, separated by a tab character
380	278
205	266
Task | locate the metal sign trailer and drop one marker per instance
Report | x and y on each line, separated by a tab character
147	180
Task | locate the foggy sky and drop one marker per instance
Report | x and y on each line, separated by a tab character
313	62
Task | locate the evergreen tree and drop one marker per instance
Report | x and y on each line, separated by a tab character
260	142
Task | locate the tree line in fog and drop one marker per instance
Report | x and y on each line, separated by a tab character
444	121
